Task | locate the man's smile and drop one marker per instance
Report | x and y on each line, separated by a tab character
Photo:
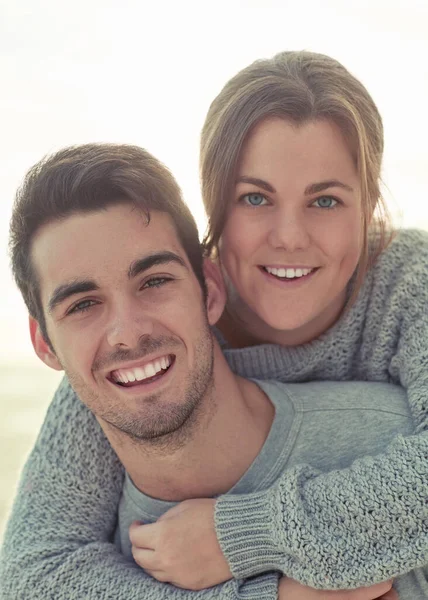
143	373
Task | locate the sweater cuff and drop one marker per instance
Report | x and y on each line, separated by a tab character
244	532
262	587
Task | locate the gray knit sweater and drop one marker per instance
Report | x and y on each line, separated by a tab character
343	529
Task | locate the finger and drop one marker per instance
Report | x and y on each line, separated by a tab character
159	575
134	525
391	595
379	589
143	536
147	559
371	592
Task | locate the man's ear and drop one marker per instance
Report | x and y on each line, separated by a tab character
216	291
41	347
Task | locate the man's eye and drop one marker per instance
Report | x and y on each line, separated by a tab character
254	199
325	202
156	282
81	307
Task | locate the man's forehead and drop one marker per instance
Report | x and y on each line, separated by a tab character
107	242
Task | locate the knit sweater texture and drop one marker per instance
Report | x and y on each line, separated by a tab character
341	529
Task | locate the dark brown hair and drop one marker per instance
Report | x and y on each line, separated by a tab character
298	87
89	178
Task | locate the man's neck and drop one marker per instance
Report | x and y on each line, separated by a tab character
233	423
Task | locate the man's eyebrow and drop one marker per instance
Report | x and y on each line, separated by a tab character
64	291
160	258
321	186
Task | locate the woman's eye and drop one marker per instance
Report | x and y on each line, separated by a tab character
254	199
325	202
81	306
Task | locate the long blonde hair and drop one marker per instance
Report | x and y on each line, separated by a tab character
299	87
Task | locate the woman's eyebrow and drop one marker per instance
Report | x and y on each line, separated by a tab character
257	182
321	186
313	188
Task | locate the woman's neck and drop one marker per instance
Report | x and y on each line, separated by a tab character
242	328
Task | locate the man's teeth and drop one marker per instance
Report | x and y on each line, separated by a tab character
140	373
288	273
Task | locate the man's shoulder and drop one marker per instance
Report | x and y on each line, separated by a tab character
344	421
339	395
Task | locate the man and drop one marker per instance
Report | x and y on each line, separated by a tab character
108	261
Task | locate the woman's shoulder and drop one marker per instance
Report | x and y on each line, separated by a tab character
407	251
407	240
399	278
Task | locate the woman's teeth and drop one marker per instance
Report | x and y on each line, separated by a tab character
288	273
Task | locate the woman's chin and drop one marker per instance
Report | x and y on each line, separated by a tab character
289	327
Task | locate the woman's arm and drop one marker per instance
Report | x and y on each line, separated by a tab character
351	527
58	542
342	529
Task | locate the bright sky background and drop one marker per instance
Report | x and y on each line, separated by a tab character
145	72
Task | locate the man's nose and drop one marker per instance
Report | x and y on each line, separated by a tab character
127	325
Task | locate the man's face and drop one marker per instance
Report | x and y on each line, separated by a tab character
126	318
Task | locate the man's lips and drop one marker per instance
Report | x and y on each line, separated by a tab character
143	372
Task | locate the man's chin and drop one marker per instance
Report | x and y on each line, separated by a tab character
154	426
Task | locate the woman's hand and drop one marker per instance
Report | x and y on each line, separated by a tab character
289	589
181	548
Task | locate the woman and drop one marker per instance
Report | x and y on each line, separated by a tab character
290	163
291	155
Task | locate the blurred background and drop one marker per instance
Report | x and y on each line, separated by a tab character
143	72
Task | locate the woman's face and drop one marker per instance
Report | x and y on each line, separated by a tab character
293	234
